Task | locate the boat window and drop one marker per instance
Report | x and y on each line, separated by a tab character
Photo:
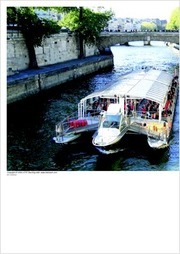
108	124
113	118
111	121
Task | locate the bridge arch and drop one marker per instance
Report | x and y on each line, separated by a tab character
113	38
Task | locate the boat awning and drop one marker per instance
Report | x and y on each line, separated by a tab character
152	85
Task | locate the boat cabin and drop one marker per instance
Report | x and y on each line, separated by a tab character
140	102
146	94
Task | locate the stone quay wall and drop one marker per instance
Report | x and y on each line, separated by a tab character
29	82
57	48
58	62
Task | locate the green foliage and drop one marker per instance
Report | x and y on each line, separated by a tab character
70	20
174	22
86	23
148	26
58	9
33	28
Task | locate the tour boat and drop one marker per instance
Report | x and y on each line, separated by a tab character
141	102
146	106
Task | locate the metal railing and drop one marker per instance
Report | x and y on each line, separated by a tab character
72	123
161	133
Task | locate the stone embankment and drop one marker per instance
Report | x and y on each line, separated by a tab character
29	82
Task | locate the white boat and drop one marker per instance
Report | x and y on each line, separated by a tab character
146	106
140	102
112	128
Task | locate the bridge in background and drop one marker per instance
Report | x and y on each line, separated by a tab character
108	39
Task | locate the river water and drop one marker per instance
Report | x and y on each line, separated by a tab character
31	123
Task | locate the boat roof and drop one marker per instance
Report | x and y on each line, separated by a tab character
152	85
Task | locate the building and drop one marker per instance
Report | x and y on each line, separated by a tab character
132	24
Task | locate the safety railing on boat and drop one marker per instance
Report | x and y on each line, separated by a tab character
151	127
160	133
141	114
73	123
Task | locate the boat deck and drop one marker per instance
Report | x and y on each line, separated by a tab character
80	129
148	111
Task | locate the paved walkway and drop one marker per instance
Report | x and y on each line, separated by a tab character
54	67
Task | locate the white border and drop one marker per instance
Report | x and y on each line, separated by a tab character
84	212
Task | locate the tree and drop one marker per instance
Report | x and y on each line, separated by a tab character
33	29
148	26
174	22
86	24
78	17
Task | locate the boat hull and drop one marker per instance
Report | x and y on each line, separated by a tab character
157	144
107	148
66	138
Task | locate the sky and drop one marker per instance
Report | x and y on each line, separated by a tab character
142	9
161	9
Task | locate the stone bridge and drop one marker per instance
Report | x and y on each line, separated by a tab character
108	39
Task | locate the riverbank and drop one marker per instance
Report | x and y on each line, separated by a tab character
29	82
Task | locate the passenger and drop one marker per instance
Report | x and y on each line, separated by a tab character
164	113
90	106
148	114
143	110
173	91
95	105
129	110
99	108
137	105
152	111
169	96
89	109
104	106
108	102
132	105
169	112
